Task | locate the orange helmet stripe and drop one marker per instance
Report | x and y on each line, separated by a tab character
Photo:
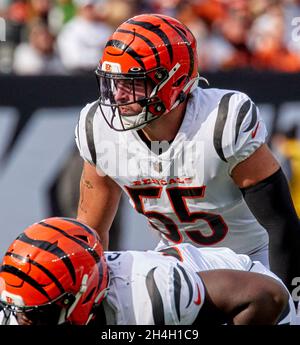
124	47
146	40
24	277
82	226
90	250
80	242
188	45
156	30
53	249
41	267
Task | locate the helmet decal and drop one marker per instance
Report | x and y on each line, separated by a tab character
111	67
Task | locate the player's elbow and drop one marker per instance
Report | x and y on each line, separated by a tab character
272	303
265	304
280	300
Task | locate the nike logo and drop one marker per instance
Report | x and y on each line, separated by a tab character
253	134
198	300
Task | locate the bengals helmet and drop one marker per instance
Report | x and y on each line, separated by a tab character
54	272
153	53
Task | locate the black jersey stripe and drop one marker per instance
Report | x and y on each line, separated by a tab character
155	29
220	124
156	299
26	278
123	46
146	40
240	117
253	119
184	38
84	245
41	267
53	249
251	266
189	284
171	251
89	130
177	291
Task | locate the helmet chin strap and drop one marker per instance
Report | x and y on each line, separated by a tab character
66	312
135	121
138	121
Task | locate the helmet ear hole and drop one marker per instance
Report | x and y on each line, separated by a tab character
179	81
82	237
157	109
161	75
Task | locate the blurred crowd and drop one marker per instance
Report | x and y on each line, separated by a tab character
68	36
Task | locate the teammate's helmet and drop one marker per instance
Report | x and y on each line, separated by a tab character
54	272
152	52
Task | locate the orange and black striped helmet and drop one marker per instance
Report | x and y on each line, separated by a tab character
54	272
153	53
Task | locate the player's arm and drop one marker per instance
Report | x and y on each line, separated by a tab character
98	202
241	298
266	192
257	173
257	167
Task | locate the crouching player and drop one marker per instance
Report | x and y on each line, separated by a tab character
56	272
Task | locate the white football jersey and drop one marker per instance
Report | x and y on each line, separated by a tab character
187	191
148	288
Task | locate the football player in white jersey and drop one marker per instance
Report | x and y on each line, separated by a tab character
56	272
193	161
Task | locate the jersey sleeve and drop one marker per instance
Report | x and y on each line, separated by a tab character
168	294
84	133
243	130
